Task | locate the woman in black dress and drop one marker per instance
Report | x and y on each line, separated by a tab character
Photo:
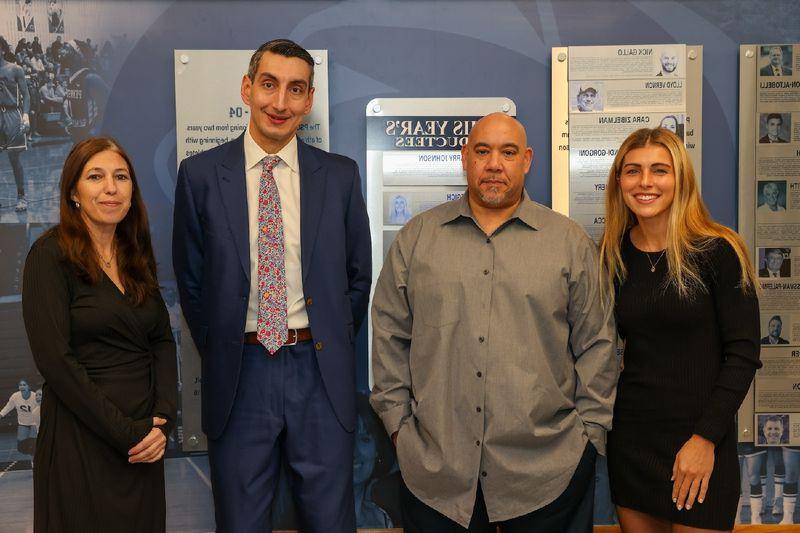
686	307
101	338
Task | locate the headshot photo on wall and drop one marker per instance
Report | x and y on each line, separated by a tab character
774	262
669	62
773	331
776	60
399	209
773	429
771	197
673	123
775	128
588	96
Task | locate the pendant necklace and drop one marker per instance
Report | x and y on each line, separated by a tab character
653	265
107	264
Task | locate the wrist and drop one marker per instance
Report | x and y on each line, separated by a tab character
703	441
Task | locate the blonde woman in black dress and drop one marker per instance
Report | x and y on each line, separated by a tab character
686	307
101	338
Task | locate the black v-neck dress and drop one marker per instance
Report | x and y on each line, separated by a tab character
688	364
109	367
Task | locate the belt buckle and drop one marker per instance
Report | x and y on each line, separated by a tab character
289	335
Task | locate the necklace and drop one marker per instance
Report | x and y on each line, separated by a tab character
106	264
653	265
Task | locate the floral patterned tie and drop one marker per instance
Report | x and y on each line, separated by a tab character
272	323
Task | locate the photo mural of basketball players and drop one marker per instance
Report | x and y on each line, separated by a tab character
14	121
24	403
67	89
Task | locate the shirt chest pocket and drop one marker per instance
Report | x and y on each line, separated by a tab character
440	304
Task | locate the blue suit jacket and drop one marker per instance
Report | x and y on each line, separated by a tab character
211	258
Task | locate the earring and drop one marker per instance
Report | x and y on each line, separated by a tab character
77	204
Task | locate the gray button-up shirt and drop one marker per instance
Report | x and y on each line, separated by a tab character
493	357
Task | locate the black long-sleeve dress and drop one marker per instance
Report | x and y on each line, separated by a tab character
688	364
109	367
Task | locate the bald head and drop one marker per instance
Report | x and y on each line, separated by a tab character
496	159
669	60
496	121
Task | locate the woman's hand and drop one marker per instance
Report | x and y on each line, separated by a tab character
151	448
692	471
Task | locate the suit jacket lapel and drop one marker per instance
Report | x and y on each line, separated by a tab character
312	197
233	187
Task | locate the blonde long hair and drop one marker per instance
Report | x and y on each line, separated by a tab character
690	228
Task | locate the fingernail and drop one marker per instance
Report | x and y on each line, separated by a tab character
700	500
674	500
680	507
688	507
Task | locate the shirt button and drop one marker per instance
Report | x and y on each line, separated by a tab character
479	374
309	301
485	272
481	339
318	346
484	474
478	409
477	443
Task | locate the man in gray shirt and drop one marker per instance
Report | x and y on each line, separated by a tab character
493	355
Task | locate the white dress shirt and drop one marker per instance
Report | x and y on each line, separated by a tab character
287	178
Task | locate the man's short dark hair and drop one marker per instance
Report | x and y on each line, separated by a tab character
587	91
776	317
281	47
775	115
773	418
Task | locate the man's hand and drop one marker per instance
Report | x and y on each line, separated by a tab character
691	472
26	122
151	448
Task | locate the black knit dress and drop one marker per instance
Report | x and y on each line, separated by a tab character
109	367
688	364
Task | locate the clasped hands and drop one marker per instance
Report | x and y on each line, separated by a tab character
151	448
691	472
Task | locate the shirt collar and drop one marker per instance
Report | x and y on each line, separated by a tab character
253	153
526	211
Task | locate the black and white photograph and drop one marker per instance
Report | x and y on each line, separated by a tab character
773	331
774	262
53	94
669	60
673	123
776	60
775	128
773	429
588	96
771	197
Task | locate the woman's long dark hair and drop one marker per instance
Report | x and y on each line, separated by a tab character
135	261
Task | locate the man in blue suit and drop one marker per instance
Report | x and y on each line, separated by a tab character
271	251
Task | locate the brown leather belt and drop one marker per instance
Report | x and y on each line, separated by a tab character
294	336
